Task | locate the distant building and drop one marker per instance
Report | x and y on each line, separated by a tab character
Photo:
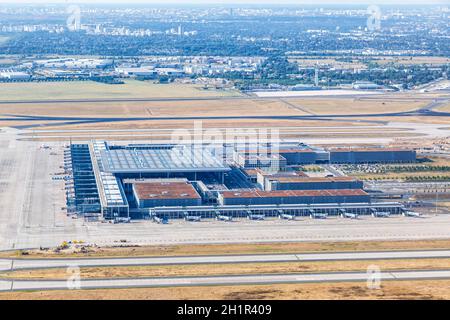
305	87
170	72
366	85
14	75
137	72
72	63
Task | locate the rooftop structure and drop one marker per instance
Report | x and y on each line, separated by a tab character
137	71
292	193
82	196
161	161
112	196
310	183
165	190
163	194
297	178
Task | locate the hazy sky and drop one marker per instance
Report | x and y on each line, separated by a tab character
315	2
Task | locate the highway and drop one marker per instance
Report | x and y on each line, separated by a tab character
20	264
17	285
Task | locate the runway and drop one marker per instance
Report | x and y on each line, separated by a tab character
18	285
20	264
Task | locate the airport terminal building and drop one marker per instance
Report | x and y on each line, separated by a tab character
178	181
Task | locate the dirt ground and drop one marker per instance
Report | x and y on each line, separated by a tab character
444	108
230	249
355	106
400	290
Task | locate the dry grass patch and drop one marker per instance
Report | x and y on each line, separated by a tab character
126	109
230	269
231	249
355	106
401	290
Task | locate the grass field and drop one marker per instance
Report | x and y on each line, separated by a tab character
439	289
231	269
230	249
95	90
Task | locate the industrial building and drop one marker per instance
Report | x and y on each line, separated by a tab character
146	180
140	72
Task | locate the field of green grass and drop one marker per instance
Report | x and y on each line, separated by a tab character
95	90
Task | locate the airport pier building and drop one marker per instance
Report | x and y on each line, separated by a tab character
274	211
292	197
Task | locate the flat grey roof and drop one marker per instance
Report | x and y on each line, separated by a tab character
110	191
161	160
